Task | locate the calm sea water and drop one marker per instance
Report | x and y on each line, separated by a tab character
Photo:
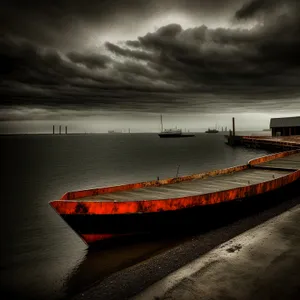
41	257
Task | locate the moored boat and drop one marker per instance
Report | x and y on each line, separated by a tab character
211	131
172	132
103	213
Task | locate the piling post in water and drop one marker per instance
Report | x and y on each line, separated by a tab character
177	171
233	127
161	124
53	129
59	129
66	130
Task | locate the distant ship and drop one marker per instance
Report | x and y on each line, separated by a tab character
172	133
113	131
212	131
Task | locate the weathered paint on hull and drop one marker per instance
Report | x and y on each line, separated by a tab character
129	207
267	158
96	220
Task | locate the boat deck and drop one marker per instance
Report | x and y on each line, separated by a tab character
257	174
289	162
193	187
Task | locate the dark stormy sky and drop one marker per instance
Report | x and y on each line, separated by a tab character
98	65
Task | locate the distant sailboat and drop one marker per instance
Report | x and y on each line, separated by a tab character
171	133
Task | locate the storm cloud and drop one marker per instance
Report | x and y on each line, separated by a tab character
251	62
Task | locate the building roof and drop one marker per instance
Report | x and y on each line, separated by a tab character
285	122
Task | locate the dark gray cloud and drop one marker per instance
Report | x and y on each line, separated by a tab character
265	7
252	8
91	60
127	52
171	68
62	22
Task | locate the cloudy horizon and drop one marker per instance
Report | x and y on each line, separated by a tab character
120	64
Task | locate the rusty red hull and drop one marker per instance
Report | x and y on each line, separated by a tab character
95	220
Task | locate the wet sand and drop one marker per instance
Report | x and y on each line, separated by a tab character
167	257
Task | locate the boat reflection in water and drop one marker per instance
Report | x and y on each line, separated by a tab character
111	256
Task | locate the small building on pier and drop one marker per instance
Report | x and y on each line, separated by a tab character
285	126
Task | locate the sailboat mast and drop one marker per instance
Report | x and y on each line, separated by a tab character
161	124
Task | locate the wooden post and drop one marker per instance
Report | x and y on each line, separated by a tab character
177	171
233	127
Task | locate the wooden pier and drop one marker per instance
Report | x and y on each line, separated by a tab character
265	142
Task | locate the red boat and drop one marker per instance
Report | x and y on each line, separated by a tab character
103	213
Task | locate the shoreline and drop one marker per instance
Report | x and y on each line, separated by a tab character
220	133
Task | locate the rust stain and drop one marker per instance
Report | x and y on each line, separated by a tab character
81	208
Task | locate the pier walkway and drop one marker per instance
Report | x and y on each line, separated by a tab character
283	142
266	142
